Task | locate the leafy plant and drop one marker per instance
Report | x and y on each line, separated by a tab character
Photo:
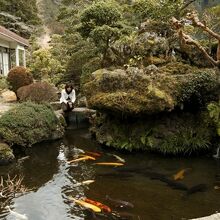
214	113
185	141
44	66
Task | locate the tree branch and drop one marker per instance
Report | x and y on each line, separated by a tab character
197	23
186	39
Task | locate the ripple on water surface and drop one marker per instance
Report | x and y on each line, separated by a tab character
54	180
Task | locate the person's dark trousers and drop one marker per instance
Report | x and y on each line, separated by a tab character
66	110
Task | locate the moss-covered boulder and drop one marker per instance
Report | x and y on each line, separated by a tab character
29	123
170	133
142	91
6	154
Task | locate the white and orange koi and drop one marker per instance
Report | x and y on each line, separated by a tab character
81	159
86	204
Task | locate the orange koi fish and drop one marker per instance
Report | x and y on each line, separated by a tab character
82	158
103	207
95	154
180	175
86	204
110	164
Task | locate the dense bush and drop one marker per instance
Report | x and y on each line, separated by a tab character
37	92
19	76
44	66
29	123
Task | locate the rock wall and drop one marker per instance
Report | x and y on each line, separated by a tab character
156	108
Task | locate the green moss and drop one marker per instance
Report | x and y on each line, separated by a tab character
6	154
139	91
28	123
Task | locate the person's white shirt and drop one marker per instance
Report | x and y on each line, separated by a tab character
65	96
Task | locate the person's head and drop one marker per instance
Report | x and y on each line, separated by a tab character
68	88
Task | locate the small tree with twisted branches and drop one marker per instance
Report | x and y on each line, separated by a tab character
185	39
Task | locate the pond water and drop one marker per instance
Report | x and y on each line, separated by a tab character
53	181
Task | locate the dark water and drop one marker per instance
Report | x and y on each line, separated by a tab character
53	180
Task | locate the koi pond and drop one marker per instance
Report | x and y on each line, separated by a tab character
146	182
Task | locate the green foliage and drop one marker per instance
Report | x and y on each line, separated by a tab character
6	154
3	83
98	14
44	66
200	86
88	68
167	134
186	141
19	15
101	23
81	53
162	10
38	92
103	34
27	124
19	76
214	113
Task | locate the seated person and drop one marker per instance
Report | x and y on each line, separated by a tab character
68	97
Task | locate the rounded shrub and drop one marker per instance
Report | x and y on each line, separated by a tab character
37	92
29	123
19	76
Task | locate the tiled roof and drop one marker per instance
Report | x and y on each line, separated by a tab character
5	32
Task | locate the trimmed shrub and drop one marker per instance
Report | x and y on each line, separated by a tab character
29	123
37	92
19	76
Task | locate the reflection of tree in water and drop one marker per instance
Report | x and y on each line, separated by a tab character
76	173
36	170
42	165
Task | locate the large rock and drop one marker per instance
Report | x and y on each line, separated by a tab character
6	154
8	96
144	91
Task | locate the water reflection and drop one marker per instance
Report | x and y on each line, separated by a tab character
55	181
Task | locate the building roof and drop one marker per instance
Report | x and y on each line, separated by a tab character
12	36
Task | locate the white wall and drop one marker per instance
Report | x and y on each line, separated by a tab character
5	56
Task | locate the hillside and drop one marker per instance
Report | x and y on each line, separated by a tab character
19	16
